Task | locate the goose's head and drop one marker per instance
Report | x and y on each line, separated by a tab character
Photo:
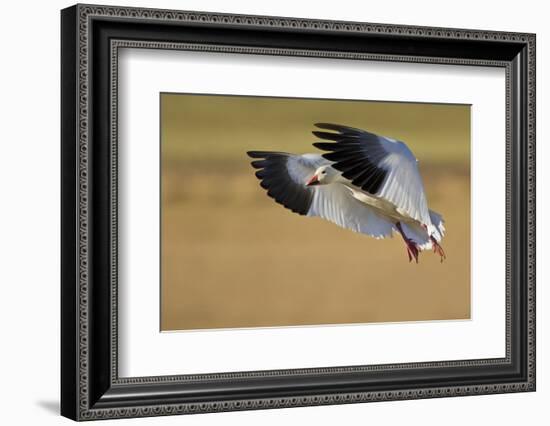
322	176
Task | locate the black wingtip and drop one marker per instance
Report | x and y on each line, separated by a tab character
255	154
339	128
266	154
324	125
325	146
327	126
258	164
330	136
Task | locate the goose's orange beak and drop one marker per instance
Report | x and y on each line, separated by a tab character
313	181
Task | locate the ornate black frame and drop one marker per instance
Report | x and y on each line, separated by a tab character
91	37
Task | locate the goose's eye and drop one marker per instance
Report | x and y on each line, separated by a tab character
324	172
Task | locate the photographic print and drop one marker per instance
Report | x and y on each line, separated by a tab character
291	212
347	209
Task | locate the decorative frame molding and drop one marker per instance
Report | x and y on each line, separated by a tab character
91	388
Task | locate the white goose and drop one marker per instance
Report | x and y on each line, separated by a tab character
367	183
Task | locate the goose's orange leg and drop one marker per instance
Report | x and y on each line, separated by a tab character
436	246
412	247
438	249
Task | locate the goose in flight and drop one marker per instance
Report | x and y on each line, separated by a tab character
363	182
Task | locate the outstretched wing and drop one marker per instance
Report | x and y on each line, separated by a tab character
378	165
284	176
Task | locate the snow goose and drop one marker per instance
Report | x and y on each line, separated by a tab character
363	182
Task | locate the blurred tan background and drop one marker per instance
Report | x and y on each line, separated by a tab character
232	257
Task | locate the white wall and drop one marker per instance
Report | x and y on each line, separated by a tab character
29	212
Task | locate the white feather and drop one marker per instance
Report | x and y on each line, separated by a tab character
403	186
336	204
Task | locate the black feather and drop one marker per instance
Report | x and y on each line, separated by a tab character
339	128
356	153
344	155
328	135
275	179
